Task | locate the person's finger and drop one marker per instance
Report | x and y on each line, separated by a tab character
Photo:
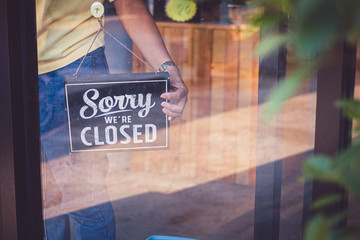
176	95
170	95
171	115
176	108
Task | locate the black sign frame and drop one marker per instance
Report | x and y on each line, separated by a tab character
127	92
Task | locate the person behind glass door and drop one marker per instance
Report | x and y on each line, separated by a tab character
65	30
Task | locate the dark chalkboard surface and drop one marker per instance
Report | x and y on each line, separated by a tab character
116	112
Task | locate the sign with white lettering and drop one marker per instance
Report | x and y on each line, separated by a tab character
116	112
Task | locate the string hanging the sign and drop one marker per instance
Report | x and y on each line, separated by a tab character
97	10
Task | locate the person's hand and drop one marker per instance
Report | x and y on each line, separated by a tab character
177	96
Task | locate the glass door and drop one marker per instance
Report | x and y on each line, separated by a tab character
226	173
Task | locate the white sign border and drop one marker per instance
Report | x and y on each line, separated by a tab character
113	149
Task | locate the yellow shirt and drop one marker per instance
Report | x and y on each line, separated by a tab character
65	30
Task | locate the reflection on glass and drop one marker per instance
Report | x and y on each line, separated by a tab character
204	185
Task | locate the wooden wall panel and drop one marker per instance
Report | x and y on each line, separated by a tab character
247	96
215	155
203	43
231	90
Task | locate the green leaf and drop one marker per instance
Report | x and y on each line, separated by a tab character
316	26
352	182
326	200
285	90
266	21
271	44
317	229
346	158
351	107
320	167
335	219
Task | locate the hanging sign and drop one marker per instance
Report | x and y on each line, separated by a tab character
116	112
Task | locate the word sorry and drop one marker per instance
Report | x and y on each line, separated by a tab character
108	103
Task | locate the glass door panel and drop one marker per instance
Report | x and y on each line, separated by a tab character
225	168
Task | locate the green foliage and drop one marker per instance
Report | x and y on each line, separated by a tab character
273	42
322	167
317	229
322	228
351	107
326	201
313	27
344	170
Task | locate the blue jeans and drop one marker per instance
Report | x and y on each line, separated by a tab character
94	220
